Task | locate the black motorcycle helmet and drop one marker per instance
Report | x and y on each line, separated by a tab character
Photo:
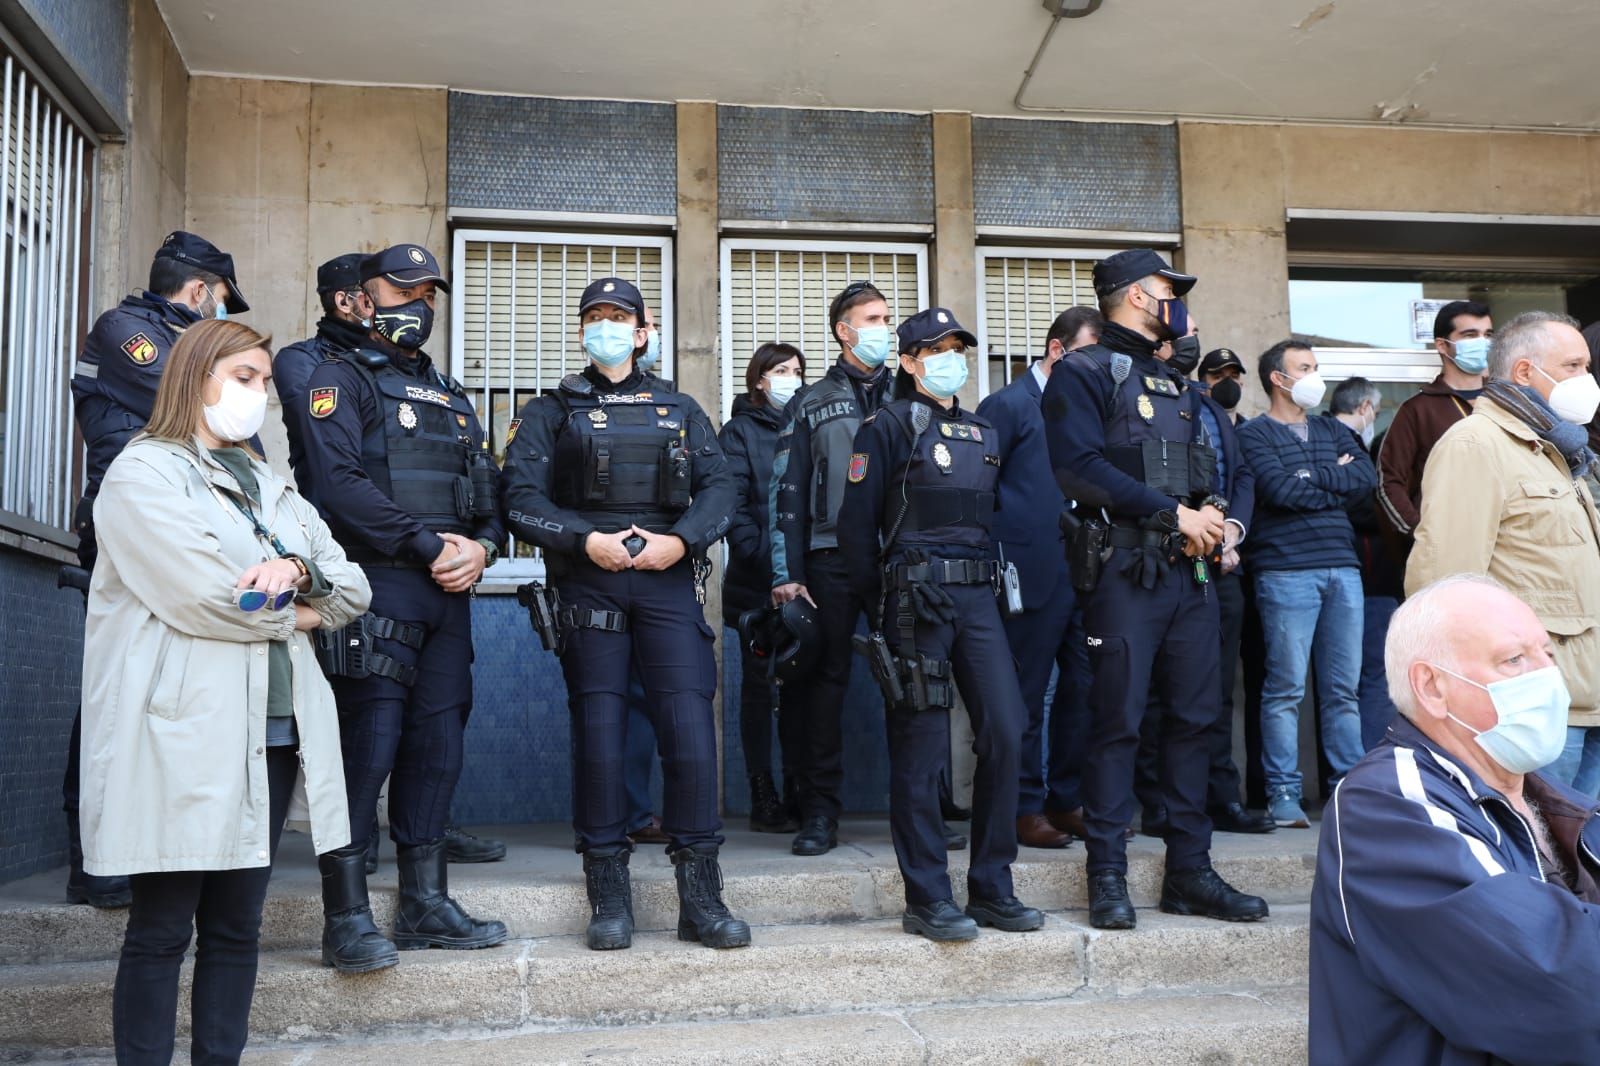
786	638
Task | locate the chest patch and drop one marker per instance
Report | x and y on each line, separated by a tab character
960	431
324	402
858	468
407	416
941	457
1147	410
434	396
140	349
1160	386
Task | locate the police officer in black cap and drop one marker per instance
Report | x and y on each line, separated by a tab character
619	478
918	504
398	465
346	320
1128	444
113	391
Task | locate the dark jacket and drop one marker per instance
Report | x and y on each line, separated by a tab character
749	440
1302	491
1027	520
291	375
1380	574
1239	481
1418	424
1438	938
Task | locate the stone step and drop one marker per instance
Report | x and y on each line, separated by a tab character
809	969
538	889
1258	1029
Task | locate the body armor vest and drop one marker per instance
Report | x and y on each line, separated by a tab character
1151	428
949	483
622	459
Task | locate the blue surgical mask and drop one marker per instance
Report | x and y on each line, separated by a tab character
652	350
219	310
944	373
608	343
1471	354
1532	726
872	345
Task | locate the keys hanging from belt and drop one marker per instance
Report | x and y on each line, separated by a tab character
702	571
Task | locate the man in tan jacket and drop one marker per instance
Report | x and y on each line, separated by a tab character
1503	494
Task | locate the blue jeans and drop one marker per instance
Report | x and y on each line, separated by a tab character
1578	764
1377	710
1308	614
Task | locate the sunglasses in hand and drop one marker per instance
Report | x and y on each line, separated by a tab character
255	599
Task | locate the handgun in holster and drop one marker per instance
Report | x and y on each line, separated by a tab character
544	611
885	668
73	577
348	651
1088	549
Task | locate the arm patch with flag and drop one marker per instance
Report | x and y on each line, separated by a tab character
858	467
140	349
324	401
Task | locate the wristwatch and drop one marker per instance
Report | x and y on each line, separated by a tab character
491	552
1215	501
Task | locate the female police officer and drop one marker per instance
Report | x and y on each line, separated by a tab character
621	482
919	497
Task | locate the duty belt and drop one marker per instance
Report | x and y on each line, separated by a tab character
589	618
1134	537
946	572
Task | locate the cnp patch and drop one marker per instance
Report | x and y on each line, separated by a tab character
511	431
858	467
140	349
323	402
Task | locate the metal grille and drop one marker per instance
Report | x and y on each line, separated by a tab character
48	174
1021	294
777	291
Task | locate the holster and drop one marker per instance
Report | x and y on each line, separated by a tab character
927	684
544	612
884	666
348	651
1088	549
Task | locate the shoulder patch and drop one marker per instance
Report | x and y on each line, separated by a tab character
140	349
511	431
324	401
858	467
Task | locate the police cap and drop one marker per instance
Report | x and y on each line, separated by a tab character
198	252
615	291
1221	359
1125	268
404	265
926	328
340	272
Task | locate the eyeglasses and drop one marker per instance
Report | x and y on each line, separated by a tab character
254	599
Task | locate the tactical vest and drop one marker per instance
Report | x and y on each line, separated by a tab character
1151	427
832	416
949	483
423	459
622	459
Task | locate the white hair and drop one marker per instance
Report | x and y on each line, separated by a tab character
1420	632
1524	337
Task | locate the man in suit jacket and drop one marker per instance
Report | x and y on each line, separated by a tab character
1048	632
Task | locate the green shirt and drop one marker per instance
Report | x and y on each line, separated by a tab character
280	670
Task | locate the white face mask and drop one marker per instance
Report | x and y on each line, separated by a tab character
1308	391
782	389
238	413
1575	399
1532	710
1367	433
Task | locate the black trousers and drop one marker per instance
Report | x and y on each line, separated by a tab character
1043	640
410	735
223	909
1142	639
838	609
758	699
919	751
669	643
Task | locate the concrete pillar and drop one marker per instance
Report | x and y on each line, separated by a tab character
955	235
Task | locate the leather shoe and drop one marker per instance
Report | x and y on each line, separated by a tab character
1070	822
1035	831
1202	891
939	920
818	835
650	833
1235	818
1007	913
954	839
1109	906
462	846
1154	822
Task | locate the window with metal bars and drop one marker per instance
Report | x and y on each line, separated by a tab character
44	268
515	320
1020	292
780	291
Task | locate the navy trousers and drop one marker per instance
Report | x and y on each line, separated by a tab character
1049	641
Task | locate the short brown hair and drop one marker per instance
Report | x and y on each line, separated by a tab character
180	397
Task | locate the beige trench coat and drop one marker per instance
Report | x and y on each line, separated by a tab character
175	674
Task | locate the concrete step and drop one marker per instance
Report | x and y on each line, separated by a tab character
1262	1029
809	969
538	889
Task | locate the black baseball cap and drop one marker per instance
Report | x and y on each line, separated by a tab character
926	328
618	292
404	265
195	250
1220	359
1125	268
340	272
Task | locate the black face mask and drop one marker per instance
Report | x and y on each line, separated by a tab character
404	325
1185	354
1227	393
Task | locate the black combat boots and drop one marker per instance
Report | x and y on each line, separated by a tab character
767	814
351	942
605	875
427	917
702	915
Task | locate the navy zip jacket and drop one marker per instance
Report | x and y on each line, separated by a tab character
1438	937
749	439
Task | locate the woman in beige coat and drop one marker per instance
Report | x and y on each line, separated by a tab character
201	696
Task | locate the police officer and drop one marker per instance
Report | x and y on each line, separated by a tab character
1127	443
399	467
346	320
918	505
113	391
620	480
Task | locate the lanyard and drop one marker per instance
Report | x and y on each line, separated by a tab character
261	531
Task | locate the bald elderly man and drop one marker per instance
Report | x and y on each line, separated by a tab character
1454	917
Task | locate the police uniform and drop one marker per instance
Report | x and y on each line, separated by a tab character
395	456
292	366
920	497
602	456
1126	442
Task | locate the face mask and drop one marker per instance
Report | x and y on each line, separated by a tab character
1227	392
1532	729
404	325
1185	354
608	343
238	413
1172	320
1308	391
1369	431
1471	355
652	350
780	390
219	310
872	345
1575	399
943	374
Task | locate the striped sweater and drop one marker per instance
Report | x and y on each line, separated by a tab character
1302	492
